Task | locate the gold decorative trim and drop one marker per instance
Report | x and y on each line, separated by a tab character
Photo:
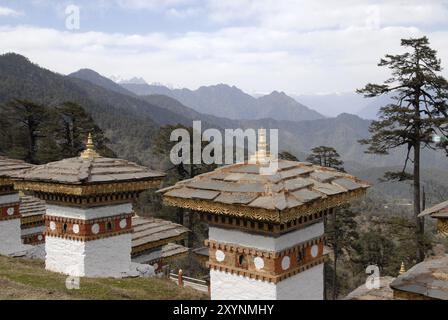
442	227
87	190
90	149
264	227
6	182
275	216
32	220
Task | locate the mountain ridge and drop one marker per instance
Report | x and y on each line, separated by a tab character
223	100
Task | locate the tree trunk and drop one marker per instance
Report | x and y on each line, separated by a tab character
417	201
180	216
32	137
190	215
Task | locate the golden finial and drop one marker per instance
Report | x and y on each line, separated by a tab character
402	269
90	150
261	155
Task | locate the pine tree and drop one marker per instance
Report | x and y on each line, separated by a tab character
418	111
326	157
25	121
340	230
285	155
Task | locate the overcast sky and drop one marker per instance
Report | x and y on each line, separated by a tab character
318	46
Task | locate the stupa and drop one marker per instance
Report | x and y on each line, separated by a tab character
10	232
88	219
266	232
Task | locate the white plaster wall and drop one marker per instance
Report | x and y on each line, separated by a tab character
226	286
65	256
10	237
108	257
9	198
90	213
307	285
266	242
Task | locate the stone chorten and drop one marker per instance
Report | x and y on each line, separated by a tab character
439	212
88	220
266	232
10	232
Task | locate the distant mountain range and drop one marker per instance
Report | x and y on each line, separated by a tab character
231	102
334	104
131	120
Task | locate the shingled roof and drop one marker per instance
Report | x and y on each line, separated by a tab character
297	186
428	278
10	167
89	171
151	232
32	206
438	211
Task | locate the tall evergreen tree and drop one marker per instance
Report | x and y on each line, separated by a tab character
418	111
26	121
74	123
326	157
162	147
340	230
286	155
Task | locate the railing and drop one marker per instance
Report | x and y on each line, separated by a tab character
184	281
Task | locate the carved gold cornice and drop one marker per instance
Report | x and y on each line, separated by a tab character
442	227
6	182
261	214
32	220
263	227
87	190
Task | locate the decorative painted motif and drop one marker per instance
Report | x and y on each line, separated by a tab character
263	264
87	230
220	255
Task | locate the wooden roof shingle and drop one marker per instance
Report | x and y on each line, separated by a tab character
294	185
89	171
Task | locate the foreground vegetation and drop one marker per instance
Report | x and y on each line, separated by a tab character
27	279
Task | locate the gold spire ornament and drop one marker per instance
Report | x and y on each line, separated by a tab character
402	269
90	152
261	154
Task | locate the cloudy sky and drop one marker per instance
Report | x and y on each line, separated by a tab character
318	46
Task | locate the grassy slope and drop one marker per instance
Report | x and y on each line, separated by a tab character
27	279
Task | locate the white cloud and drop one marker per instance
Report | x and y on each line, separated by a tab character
260	46
4	11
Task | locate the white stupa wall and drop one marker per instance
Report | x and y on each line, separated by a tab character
264	242
10	237
89	213
10	231
107	257
307	285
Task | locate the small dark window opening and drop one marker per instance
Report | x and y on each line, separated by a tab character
300	256
64	228
242	261
109	226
